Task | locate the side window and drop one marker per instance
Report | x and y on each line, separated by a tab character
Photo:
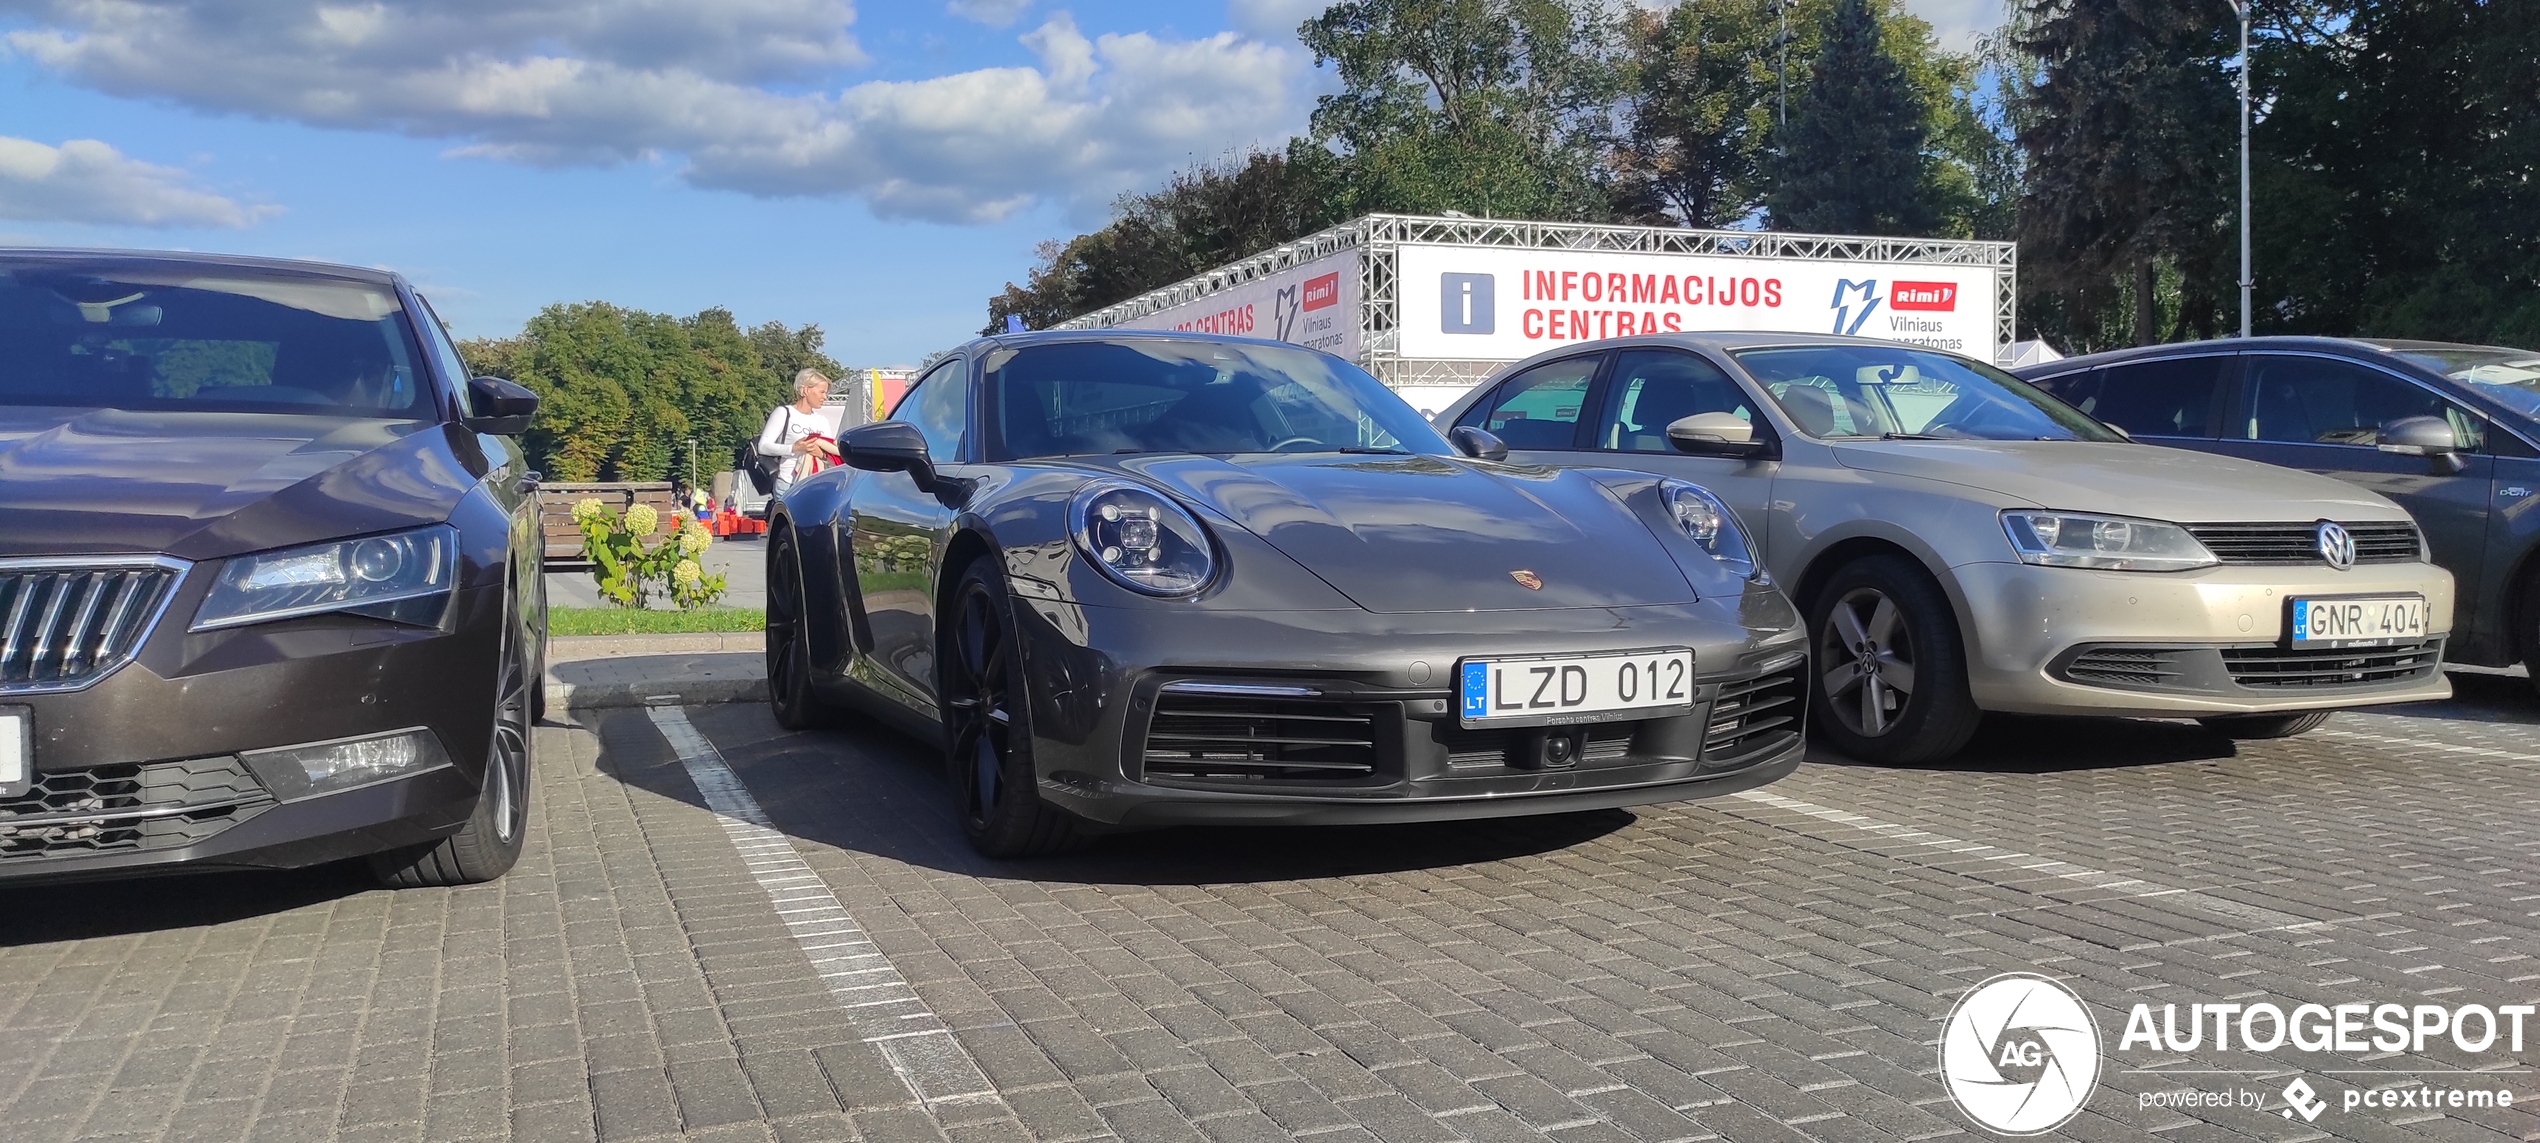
445	355
1539	408
938	405
2174	397
1655	387
2319	400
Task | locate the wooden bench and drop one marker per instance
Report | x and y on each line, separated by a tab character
555	513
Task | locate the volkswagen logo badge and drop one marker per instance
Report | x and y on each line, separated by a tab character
2337	546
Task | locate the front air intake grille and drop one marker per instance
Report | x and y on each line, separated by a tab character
1501	746
65	624
1755	716
2293	545
157	805
2126	667
1249	739
2279	667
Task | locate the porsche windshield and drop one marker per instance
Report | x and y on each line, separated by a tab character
203	337
1852	392
1140	395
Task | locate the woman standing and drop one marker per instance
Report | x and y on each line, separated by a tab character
803	434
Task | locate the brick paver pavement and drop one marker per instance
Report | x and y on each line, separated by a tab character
1765	968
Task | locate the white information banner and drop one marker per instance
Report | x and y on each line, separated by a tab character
1314	305
1476	303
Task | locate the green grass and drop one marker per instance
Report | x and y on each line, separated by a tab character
623	621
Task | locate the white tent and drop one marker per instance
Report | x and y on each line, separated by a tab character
2032	353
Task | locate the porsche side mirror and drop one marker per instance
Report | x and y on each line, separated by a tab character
2428	437
502	408
1477	443
888	446
1714	434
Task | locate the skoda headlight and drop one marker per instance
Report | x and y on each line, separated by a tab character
2115	543
1143	541
405	577
1708	522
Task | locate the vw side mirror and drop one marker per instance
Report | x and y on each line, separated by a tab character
1714	434
2428	437
888	446
1477	443
502	408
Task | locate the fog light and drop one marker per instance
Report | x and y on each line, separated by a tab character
325	767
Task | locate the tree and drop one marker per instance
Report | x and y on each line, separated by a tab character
1853	160
621	391
1500	108
1703	96
2128	133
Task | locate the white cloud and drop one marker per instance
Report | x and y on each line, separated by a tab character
730	86
993	13
84	180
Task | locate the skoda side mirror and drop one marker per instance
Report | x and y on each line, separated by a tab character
1477	443
1715	434
888	446
2428	437
502	408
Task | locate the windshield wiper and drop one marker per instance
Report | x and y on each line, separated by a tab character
1372	451
1915	437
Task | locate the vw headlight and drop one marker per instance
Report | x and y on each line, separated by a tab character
2114	543
1143	541
1708	522
405	577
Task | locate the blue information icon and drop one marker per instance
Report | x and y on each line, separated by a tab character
1464	303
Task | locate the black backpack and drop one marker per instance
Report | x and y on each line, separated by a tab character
760	469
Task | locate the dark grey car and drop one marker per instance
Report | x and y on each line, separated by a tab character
2450	432
1133	579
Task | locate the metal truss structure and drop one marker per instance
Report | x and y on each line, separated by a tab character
1380	237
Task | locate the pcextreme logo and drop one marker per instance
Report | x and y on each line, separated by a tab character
2020	1054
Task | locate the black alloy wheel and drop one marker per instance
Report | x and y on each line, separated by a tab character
987	727
2261	726
490	842
1891	676
789	687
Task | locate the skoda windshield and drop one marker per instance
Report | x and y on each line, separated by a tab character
1879	392
1146	395
127	334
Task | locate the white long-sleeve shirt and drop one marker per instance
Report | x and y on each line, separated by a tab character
787	424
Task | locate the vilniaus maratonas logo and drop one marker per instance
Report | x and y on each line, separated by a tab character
2020	1054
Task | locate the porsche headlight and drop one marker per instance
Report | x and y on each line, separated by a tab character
2113	543
405	576
1708	522
1145	542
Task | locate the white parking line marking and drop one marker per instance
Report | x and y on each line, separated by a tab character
2268	920
930	1060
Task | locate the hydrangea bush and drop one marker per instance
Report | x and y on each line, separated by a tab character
630	567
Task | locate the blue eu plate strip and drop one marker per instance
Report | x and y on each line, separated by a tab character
1476	690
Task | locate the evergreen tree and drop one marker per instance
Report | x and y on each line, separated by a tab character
1852	161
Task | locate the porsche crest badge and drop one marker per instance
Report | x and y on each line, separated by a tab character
1526	579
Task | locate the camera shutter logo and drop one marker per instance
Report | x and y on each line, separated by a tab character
2337	545
1464	303
2020	1054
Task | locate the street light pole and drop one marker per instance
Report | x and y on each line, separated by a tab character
2247	282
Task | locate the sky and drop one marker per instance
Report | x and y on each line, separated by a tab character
877	168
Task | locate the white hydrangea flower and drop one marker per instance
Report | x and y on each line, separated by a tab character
642	520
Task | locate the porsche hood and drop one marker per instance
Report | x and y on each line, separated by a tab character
1429	534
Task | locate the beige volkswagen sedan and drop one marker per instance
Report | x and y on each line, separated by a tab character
1961	542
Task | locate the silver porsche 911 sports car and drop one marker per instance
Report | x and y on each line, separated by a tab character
1133	579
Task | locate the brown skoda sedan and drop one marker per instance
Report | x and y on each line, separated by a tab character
269	591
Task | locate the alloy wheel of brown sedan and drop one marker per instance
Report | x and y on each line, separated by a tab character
1867	656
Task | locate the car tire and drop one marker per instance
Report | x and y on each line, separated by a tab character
490	842
2258	726
1890	682
988	724
790	693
